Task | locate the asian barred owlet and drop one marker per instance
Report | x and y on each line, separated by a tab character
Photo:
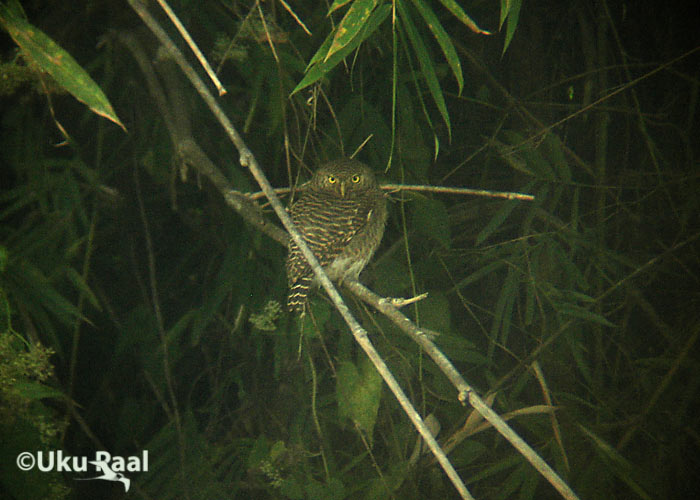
341	213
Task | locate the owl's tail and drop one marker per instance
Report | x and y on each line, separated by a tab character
298	294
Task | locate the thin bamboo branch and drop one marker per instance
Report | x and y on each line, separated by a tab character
428	189
193	46
457	190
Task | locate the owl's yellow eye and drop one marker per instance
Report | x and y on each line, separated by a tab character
355	178
332	179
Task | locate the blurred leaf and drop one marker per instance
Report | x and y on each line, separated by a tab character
359	390
580	352
434	312
81	285
583	313
480	273
458	347
430	218
520	149
37	390
445	42
232	277
333	490
496	220
511	12
391	278
459	13
58	63
426	63
503	311
320	314
555	154
37	291
622	467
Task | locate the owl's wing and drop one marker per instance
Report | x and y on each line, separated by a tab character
349	222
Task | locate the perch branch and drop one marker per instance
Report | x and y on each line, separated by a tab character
247	159
466	393
430	189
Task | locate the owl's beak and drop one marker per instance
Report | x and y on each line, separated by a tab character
342	189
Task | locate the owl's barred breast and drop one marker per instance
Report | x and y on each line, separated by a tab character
341	214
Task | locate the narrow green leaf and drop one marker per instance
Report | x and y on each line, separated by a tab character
43	293
505	7
580	354
336	5
459	13
426	63
318	68
553	148
583	313
496	220
503	311
321	52
353	21
480	273
58	63
511	22
443	39
82	285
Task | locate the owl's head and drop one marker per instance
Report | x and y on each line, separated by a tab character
345	177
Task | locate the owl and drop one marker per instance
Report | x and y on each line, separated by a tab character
341	213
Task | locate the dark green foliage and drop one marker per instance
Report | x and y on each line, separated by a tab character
139	312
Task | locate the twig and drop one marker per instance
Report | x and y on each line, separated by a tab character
454	190
247	159
198	54
429	189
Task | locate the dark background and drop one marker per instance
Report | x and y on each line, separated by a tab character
113	252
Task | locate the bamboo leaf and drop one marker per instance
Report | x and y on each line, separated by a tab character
511	22
353	21
583	313
443	39
82	285
58	63
480	273
496	221
318	68
426	64
622	467
336	5
459	13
